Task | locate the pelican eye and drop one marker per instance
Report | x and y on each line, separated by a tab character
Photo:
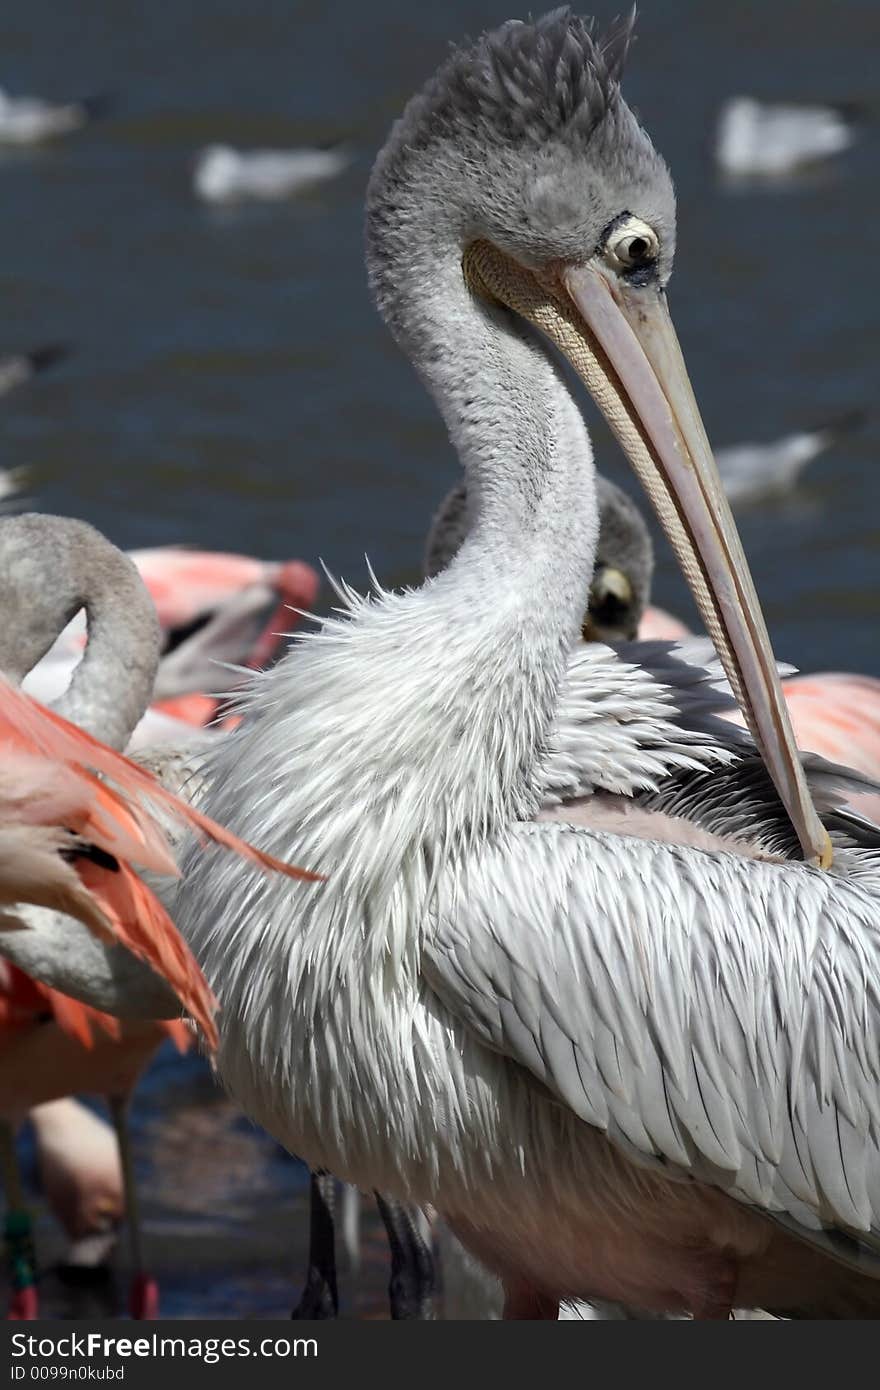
610	612
632	245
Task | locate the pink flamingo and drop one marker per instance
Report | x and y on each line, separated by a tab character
216	612
38	1061
68	841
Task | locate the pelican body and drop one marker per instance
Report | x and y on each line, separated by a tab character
629	1052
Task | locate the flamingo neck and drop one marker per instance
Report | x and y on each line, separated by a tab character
50	568
113	683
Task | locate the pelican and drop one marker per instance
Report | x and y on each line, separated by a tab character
637	1060
834	715
618	595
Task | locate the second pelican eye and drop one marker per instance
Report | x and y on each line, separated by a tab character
610	615
632	244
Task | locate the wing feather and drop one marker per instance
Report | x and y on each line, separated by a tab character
716	1014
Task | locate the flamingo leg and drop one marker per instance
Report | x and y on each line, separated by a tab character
320	1296
144	1291
524	1303
18	1233
411	1286
718	1301
351	1226
714	1310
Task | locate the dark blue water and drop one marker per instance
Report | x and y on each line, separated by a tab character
225	1220
233	387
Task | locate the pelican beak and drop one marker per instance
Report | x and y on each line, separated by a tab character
620	340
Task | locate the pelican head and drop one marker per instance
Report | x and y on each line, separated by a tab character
624	568
523	156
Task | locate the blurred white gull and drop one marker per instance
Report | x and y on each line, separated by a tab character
29	120
772	141
12	481
17	368
223	174
752	471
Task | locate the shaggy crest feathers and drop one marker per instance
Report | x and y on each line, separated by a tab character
534	81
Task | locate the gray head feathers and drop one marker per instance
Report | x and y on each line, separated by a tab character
621	588
521	138
537	80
